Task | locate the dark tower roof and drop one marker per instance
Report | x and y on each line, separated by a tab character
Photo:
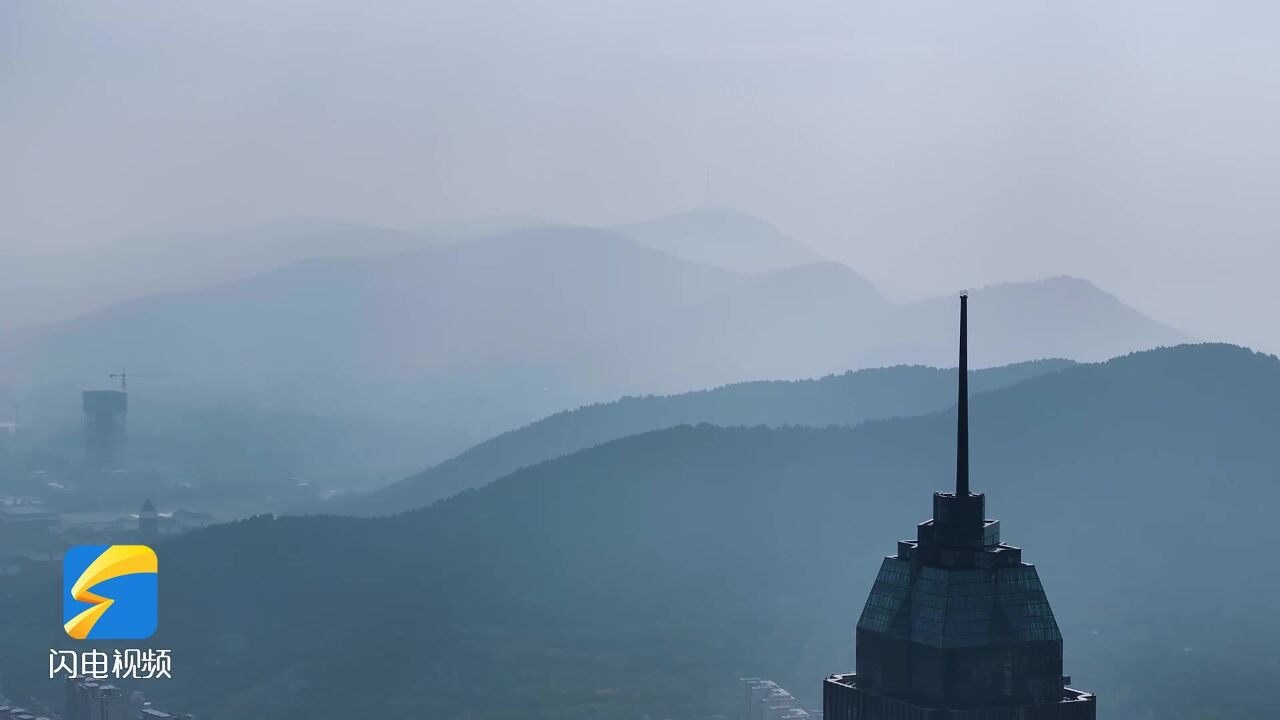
956	623
147	506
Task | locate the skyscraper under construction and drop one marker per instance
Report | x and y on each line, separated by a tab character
104	426
957	626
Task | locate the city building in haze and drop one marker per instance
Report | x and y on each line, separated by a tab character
27	527
89	699
104	426
957	626
148	523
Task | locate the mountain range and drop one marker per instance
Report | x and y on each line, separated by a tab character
39	289
846	399
646	574
722	237
467	339
472	335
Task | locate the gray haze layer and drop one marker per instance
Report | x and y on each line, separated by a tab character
930	146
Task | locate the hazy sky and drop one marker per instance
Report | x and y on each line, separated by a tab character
929	145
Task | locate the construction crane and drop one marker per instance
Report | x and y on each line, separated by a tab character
124	378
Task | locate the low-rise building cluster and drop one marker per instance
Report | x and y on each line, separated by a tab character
766	700
90	699
33	535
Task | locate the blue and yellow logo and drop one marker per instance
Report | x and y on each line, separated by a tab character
109	592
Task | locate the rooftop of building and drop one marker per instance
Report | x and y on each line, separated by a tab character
1069	695
26	511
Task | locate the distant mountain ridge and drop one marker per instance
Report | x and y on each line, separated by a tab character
36	289
847	399
44	289
465	327
1061	316
467	339
722	237
823	318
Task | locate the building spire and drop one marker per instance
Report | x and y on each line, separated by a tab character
962	404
